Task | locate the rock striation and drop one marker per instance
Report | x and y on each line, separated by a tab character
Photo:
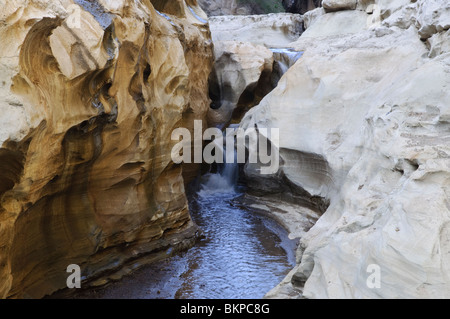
364	120
90	92
337	5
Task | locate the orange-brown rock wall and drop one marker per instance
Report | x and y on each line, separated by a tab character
87	114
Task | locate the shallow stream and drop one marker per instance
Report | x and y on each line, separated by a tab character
242	256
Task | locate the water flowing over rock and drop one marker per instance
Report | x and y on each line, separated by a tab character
364	120
87	110
284	59
241	79
250	60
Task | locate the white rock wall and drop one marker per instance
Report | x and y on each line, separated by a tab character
374	102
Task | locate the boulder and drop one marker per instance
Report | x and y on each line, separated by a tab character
244	69
338	5
311	16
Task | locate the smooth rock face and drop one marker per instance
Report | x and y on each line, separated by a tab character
364	120
432	17
86	173
335	23
311	16
272	30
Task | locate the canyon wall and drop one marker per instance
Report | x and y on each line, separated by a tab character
241	7
364	118
249	7
300	6
245	68
89	95
221	7
271	30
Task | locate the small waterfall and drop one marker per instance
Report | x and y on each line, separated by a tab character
225	180
230	171
284	60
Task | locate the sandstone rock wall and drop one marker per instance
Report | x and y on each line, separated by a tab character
89	95
364	122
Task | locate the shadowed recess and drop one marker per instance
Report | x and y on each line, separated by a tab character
11	167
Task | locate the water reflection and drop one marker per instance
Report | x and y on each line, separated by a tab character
242	256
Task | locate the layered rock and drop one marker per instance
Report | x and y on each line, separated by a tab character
364	120
87	114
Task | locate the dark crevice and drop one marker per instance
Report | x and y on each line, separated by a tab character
146	74
11	168
173	7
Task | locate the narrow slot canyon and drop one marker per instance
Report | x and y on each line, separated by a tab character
241	253
212	149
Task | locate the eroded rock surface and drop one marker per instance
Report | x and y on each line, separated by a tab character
246	68
241	79
364	122
87	113
271	30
